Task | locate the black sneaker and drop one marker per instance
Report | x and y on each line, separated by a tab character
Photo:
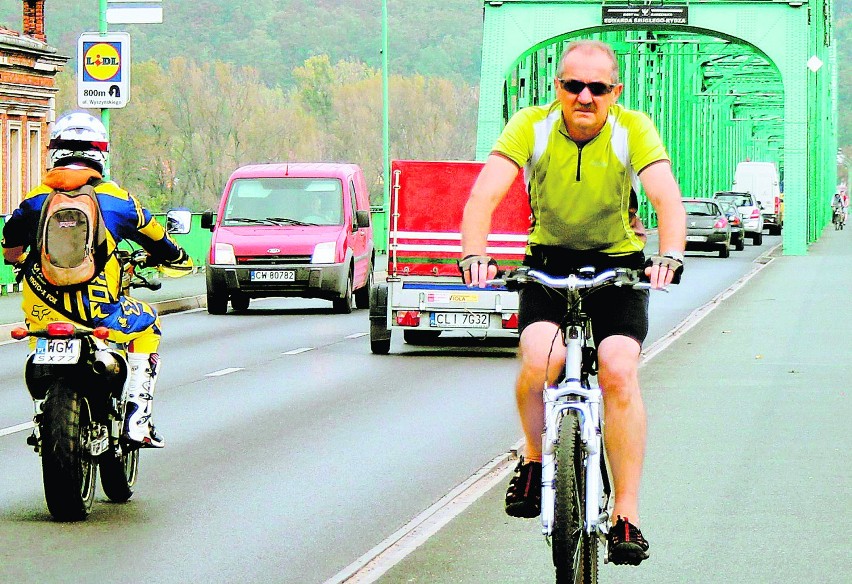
625	543
523	498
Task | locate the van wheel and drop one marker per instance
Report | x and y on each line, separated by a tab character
362	295
758	239
217	302
344	305
240	301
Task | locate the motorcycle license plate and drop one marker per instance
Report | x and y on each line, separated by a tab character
57	351
273	276
459	319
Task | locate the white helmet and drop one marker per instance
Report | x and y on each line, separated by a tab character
78	137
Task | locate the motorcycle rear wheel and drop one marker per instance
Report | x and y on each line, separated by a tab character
118	474
68	470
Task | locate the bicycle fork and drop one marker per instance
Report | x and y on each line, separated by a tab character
558	400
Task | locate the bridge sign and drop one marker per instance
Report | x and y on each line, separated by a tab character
103	70
134	12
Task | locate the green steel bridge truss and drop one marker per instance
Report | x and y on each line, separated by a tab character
731	80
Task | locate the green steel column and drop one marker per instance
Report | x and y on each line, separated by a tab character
102	29
385	128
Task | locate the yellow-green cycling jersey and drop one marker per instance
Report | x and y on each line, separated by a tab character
580	193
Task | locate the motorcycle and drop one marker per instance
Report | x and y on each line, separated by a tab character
77	379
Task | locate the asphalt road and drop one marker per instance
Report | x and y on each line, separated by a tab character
291	449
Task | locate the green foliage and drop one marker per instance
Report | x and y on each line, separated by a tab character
277	36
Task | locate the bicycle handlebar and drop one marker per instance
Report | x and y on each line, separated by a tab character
577	281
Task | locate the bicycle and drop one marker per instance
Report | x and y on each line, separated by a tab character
576	498
838	218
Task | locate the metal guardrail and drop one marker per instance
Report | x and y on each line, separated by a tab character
197	244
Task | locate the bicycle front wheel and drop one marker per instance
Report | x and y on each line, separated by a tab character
575	553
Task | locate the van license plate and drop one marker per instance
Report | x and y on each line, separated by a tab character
57	351
459	319
273	276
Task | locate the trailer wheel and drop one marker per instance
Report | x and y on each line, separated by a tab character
380	334
380	339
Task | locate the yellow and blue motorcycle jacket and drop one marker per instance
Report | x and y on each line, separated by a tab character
99	302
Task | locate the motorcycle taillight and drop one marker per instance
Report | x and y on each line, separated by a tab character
19	333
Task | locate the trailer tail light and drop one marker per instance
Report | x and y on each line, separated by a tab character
510	321
60	329
408	318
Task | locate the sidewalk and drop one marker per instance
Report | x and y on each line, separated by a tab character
747	473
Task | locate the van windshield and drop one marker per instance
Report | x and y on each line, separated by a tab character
284	201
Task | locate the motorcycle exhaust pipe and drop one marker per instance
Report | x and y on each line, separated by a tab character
106	364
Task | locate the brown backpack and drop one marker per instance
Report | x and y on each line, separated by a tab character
71	237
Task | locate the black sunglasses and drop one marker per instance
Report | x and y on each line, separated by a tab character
576	87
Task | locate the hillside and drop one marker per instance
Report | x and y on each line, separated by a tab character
275	36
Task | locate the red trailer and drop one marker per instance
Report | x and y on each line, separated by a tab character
424	294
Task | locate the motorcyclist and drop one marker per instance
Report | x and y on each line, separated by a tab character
77	153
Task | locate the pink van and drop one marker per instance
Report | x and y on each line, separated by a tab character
296	229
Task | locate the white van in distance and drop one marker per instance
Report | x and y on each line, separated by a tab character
761	180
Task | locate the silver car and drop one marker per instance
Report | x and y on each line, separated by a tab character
749	210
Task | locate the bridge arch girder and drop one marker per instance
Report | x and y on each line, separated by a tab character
784	34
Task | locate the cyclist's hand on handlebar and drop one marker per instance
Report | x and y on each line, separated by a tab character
663	270
476	270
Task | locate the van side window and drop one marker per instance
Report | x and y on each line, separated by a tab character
354	202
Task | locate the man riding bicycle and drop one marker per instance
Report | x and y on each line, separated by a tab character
581	155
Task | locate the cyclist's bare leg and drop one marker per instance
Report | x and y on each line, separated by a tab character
539	342
624	433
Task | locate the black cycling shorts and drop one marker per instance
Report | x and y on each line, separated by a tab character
612	310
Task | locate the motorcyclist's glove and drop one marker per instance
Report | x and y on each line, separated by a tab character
672	263
467	261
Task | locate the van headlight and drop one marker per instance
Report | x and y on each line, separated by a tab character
324	253
223	253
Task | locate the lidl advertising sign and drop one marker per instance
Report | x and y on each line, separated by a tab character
103	70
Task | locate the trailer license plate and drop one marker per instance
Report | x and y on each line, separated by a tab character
57	351
273	276
459	319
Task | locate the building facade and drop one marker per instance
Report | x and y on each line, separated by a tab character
28	68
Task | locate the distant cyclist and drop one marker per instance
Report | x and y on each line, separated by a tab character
581	155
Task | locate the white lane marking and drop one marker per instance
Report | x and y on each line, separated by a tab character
18	428
356	335
299	350
369	567
224	372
